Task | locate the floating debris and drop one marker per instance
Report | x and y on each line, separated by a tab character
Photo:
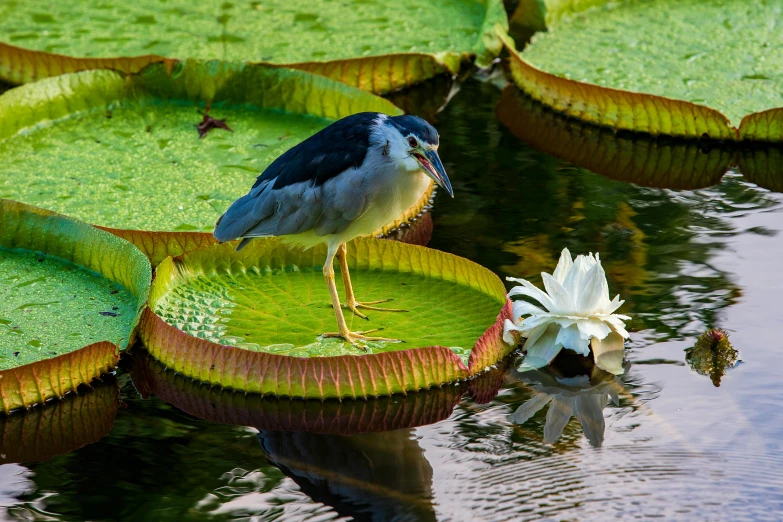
712	355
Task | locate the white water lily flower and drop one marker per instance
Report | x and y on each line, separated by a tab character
574	313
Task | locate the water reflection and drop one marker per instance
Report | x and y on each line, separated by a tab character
378	476
676	447
763	165
428	99
518	207
61	426
572	386
346	417
661	162
360	457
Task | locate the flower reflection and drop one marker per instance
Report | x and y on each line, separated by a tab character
575	314
582	392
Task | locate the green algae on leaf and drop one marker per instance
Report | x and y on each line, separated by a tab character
718	53
51	307
124	153
251	320
379	46
70	299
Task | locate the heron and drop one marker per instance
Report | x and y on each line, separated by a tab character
348	180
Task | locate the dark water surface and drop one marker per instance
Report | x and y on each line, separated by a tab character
659	441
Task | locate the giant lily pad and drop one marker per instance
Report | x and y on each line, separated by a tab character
123	152
376	46
251	320
71	298
659	66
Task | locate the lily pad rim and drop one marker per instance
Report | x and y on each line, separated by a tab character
551	16
732	133
163	341
484	49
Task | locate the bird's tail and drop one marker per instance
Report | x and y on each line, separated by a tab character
237	220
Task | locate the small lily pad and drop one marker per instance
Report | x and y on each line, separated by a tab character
70	300
252	320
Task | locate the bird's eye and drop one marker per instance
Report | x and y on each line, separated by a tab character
412	141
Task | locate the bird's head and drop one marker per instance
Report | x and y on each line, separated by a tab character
413	143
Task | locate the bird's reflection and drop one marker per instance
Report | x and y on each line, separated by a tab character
370	476
359	456
572	386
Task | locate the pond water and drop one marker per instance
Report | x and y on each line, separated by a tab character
659	441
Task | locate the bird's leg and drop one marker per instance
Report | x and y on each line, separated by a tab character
350	299
352	337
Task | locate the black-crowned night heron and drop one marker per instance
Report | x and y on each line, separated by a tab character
348	180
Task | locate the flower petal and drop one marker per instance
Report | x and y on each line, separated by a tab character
593	328
613	305
535	320
563	266
524	308
616	324
609	353
542	346
570	338
528	289
530	408
594	292
508	332
563	303
564	322
573	280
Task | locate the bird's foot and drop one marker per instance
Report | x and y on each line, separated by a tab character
357	338
369	305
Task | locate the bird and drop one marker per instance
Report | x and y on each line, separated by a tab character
347	180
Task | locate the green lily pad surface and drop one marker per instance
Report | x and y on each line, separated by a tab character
252	320
50	307
111	156
724	54
125	154
70	299
279	31
284	310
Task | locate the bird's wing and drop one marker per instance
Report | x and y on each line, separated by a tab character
325	209
288	198
345	199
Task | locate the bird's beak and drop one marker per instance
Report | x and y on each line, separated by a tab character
434	169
